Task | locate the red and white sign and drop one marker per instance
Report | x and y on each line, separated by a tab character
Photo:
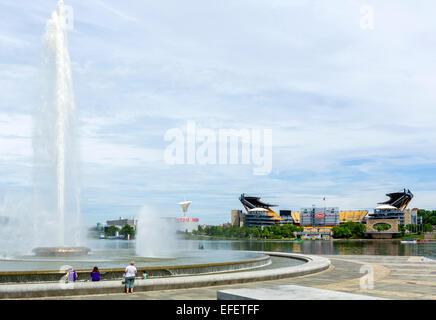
319	215
186	219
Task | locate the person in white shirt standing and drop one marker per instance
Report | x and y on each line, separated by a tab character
130	274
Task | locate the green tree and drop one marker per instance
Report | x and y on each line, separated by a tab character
357	229
428	227
266	233
287	230
127	230
348	230
428	216
111	231
255	232
276	231
381	226
338	232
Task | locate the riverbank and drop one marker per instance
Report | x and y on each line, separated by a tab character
206	237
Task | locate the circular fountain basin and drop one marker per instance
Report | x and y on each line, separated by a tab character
307	265
112	256
113	262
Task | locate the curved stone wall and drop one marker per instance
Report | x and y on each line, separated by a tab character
153	272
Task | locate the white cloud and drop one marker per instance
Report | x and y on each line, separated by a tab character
352	110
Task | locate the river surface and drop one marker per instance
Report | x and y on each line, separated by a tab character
328	247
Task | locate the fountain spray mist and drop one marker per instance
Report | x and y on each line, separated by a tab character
57	193
155	235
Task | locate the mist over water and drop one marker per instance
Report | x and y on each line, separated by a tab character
51	215
155	235
16	227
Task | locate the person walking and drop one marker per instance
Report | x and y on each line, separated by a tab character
130	274
95	274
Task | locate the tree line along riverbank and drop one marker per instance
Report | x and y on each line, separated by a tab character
348	230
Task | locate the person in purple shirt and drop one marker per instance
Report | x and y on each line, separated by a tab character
71	275
95	274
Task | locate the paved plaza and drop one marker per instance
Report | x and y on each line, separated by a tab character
394	277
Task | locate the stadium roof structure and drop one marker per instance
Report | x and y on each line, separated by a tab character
386	207
399	200
258	209
254	202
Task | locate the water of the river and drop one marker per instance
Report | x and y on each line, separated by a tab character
355	247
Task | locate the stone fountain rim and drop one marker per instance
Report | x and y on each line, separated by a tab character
143	268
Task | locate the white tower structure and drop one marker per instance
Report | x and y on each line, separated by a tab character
185	205
186	224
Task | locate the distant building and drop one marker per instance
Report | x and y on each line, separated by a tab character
121	222
237	218
319	217
286	216
187	224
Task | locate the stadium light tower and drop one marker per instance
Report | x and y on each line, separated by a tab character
185	205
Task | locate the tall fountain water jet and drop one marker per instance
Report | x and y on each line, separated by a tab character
57	193
155	235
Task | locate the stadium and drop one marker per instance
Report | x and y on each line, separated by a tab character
319	221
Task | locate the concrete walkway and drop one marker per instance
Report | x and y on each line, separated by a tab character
393	278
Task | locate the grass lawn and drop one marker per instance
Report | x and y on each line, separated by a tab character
412	236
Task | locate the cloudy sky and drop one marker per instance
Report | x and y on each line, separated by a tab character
351	105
